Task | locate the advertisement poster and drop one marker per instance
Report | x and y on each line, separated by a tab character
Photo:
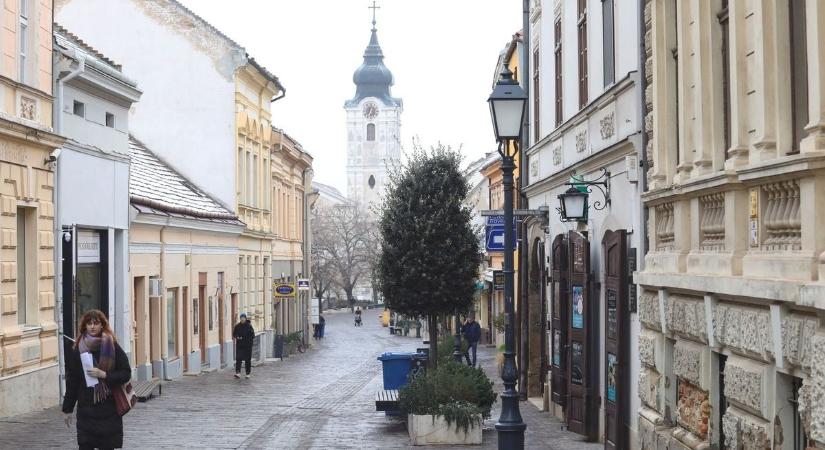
612	374
578	307
557	348
576	359
611	314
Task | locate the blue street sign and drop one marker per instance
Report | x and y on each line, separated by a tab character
494	232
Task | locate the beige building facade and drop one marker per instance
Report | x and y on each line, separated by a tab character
29	373
732	294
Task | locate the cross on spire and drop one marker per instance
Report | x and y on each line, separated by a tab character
373	8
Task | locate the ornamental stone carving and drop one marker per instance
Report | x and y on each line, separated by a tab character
647	347
797	331
581	141
607	126
649	387
744	329
811	406
685	316
690	362
744	432
649	310
744	384
557	156
28	108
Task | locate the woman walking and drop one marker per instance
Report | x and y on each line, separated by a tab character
98	423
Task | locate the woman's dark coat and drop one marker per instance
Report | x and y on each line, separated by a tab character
244	335
98	425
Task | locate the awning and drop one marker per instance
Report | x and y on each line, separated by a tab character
488	275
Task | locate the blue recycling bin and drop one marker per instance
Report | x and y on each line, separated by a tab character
396	368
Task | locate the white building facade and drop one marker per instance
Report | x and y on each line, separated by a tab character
585	126
92	101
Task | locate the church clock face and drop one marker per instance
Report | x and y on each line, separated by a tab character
370	110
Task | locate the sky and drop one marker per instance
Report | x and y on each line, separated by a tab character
442	54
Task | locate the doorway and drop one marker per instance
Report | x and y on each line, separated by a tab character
187	328
203	317
139	311
221	319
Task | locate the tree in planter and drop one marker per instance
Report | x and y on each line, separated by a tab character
341	240
429	250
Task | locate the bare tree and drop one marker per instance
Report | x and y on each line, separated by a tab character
342	243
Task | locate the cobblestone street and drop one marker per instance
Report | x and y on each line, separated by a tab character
322	399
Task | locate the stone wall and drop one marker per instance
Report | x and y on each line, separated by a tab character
743	329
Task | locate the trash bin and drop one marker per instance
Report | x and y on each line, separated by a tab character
396	368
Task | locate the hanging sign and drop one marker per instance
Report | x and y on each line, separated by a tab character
88	247
303	284
280	290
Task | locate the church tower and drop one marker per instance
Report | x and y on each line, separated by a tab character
373	126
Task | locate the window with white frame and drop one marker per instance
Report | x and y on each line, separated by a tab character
23	39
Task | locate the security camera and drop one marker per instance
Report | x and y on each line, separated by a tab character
54	155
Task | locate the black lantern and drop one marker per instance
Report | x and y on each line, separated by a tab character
573	205
508	103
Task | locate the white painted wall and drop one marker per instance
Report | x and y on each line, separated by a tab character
93	191
186	114
91	129
371	158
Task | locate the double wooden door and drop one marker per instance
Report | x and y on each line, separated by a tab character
616	341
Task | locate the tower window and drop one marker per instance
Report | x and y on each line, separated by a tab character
370	131
371	182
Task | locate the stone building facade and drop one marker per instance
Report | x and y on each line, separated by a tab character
731	295
29	335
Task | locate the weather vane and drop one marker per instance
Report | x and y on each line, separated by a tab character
373	8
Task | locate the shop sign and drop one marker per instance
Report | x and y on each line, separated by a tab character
283	290
498	280
303	284
88	247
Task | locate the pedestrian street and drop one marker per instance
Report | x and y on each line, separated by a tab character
322	399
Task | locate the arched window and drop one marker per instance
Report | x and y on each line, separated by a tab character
370	131
371	182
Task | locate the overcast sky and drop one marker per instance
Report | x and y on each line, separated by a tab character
442	54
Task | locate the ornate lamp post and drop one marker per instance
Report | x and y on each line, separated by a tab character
507	106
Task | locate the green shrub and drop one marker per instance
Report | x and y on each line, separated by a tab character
460	393
446	345
498	323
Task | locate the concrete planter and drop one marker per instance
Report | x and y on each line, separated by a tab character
426	431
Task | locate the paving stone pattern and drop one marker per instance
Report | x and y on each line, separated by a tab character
322	399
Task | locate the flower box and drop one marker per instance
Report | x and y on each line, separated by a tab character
426	430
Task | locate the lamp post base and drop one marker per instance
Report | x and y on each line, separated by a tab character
510	426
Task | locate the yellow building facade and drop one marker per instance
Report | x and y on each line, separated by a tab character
28	330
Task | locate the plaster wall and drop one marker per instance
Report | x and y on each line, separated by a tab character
91	128
177	61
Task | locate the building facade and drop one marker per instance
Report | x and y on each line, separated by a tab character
91	108
731	294
585	126
29	337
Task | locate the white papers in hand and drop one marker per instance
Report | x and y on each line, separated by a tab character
88	363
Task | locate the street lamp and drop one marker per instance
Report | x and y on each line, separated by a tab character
573	202
507	107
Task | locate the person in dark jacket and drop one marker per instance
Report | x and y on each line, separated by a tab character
98	423
244	335
472	334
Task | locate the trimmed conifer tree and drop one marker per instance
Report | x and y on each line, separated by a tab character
429	254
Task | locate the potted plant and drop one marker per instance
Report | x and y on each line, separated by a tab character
447	405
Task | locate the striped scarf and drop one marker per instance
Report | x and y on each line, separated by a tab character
106	345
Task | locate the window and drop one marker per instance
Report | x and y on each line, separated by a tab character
799	72
608	43
79	108
241	173
558	64
536	97
249	179
171	323
22	263
255	171
211	315
196	317
725	29
110	120
23	39
370	131
582	27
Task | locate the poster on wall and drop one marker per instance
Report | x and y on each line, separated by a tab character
612	374
578	307
611	313
576	361
557	348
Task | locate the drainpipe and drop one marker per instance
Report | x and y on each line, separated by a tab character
58	229
524	309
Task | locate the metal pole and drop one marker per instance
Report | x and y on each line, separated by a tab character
510	425
457	349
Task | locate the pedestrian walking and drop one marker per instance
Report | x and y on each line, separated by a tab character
316	330
322	324
98	423
472	334
243	334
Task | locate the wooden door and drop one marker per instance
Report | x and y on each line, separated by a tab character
545	356
559	294
203	325
616	341
221	326
581	382
187	326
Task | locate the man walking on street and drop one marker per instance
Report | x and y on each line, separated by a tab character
472	334
243	334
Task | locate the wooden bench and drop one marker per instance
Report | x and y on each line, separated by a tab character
387	400
144	390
